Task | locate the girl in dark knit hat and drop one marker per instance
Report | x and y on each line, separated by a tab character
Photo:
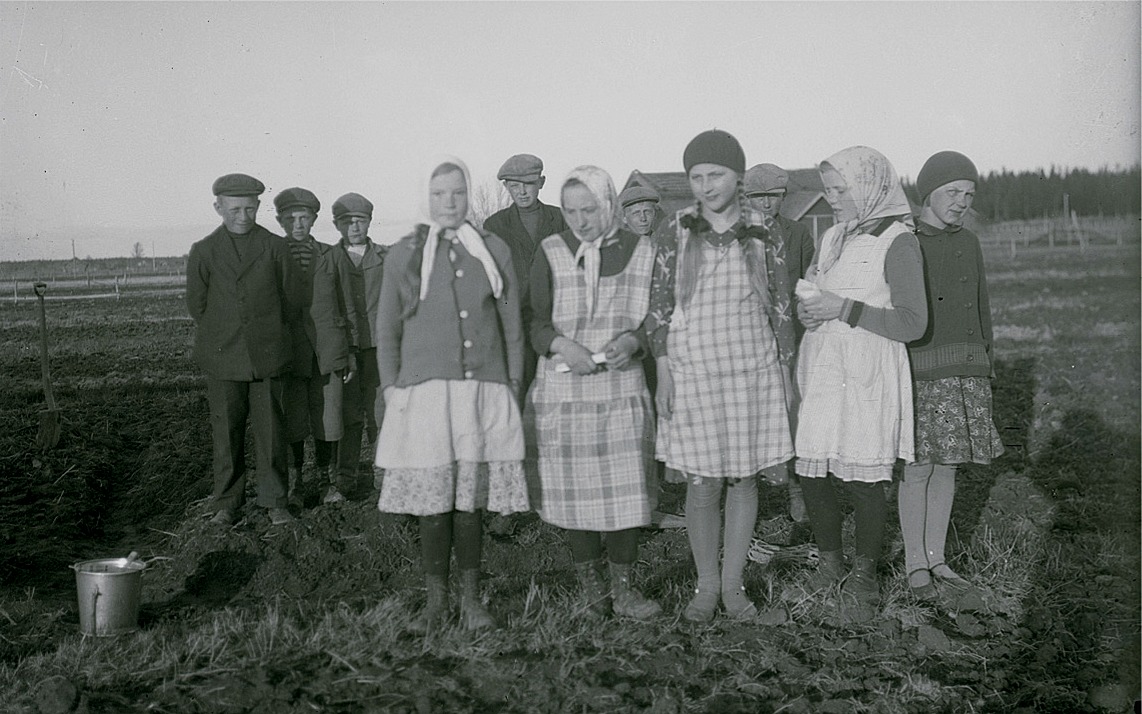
951	368
722	334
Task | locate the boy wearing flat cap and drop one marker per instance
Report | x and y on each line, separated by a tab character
360	408
238	287
641	211
765	186
324	343
523	225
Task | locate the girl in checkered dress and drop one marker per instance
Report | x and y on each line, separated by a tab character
590	423
722	335
862	301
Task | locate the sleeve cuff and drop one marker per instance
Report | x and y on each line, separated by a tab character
850	313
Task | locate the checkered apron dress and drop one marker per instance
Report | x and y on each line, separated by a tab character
591	437
856	387
729	418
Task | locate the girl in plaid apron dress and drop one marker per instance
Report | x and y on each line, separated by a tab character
590	425
450	357
722	335
862	301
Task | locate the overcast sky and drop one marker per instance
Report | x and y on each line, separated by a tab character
116	117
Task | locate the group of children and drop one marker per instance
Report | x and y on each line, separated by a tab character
513	370
893	365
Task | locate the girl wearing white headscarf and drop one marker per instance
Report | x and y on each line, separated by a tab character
593	434
862	301
450	357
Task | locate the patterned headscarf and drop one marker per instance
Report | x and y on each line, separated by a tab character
598	182
874	186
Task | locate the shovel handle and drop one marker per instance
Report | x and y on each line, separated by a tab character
49	397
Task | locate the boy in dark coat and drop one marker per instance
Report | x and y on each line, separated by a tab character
238	286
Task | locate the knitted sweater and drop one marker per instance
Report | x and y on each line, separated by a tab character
957	342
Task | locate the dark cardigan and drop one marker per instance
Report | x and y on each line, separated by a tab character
459	331
957	342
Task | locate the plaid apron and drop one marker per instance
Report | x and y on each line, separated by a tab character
730	418
591	437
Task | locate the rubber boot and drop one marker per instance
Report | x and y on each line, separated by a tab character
861	591
435	611
626	600
830	571
594	592
472	612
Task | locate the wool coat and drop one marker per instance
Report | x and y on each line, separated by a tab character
509	226
241	306
365	290
327	322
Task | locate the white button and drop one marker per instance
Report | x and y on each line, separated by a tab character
460	273
463	314
467	343
468	374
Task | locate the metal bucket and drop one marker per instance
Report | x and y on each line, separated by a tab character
109	591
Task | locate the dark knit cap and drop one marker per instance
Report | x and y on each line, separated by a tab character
714	147
944	167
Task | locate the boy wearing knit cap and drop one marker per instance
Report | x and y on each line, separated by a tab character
238	288
324	343
951	371
721	331
361	409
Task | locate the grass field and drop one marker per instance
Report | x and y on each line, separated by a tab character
311	617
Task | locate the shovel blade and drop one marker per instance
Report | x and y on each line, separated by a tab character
48	435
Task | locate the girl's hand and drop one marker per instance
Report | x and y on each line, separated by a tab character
664	395
823	306
806	319
577	357
620	350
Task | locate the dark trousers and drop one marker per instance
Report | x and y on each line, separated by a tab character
587	546
869	505
360	407
230	405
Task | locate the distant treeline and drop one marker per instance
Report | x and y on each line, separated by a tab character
1005	195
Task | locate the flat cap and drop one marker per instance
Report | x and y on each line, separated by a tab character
352	204
638	194
296	198
521	167
238	185
765	178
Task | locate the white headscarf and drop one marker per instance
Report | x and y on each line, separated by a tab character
469	237
874	187
599	183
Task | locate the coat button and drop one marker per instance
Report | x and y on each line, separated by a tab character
468	343
959	253
963	278
971	358
460	273
463	314
967	304
971	331
468	374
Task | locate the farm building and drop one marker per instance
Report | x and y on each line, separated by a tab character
805	201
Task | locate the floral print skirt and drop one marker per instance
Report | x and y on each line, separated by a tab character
953	421
451	445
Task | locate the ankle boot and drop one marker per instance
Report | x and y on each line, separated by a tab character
473	613
627	601
293	487
861	583
592	589
830	571
435	611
